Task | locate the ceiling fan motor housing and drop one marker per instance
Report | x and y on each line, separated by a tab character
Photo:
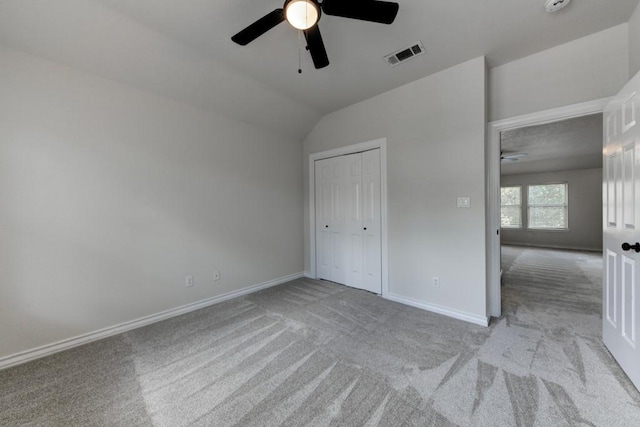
302	14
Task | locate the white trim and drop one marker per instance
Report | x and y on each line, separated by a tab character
341	151
493	182
552	115
626	126
48	349
545	246
456	314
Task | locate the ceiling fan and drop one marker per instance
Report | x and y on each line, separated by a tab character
305	14
511	157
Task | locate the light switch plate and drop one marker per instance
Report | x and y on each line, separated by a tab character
464	202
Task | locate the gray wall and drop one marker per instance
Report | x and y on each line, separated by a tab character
585	211
634	43
110	196
592	67
435	130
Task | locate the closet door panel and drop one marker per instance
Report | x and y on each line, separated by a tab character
371	223
324	209
354	220
338	220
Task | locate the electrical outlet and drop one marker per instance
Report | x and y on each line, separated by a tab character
436	281
216	275
188	281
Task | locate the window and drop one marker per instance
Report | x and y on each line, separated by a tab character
547	207
511	207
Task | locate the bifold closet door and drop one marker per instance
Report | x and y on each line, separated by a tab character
330	219
348	226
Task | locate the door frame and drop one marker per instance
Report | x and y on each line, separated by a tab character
494	129
341	151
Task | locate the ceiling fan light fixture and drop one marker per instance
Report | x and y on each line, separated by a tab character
302	14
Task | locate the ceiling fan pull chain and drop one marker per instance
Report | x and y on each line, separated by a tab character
299	50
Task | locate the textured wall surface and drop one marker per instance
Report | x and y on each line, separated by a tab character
634	43
592	67
585	211
111	196
435	131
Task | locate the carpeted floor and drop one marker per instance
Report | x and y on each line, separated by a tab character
311	353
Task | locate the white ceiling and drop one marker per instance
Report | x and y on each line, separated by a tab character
563	145
183	49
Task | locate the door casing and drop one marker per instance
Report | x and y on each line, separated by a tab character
351	149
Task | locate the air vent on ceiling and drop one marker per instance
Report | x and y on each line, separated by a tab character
405	54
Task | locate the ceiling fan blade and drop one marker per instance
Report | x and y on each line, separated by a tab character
316	47
383	12
259	27
508	157
513	156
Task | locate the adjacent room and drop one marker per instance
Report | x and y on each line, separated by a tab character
551	183
221	212
551	230
551	213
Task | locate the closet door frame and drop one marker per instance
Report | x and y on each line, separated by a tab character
351	149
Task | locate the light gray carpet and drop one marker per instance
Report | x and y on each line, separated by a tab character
311	353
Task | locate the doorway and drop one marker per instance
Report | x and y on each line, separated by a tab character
551	218
493	180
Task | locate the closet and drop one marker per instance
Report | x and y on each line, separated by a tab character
348	225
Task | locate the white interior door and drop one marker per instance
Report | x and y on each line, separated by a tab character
323	217
371	222
348	220
330	219
354	221
621	184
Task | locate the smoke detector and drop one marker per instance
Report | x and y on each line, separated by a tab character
555	5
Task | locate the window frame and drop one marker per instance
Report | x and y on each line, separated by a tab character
520	206
565	205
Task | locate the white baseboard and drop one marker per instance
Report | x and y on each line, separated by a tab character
456	314
46	350
543	246
308	275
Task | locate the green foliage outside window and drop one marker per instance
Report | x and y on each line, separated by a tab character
511	207
547	206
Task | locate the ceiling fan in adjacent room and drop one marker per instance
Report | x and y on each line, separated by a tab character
304	15
506	156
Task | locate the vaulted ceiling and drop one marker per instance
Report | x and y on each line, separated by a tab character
183	49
